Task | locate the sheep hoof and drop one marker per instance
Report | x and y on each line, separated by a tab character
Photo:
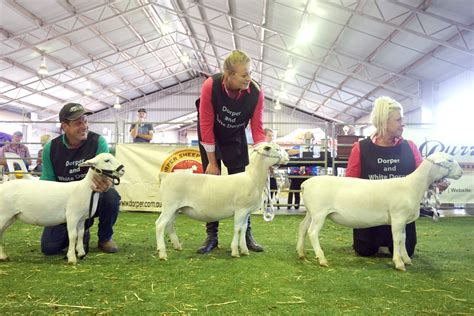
179	248
400	268
323	263
72	263
5	259
163	256
235	255
243	253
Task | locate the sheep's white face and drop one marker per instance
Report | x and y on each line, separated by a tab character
106	162
274	151
454	171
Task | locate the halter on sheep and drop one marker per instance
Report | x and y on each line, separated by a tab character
360	203
211	198
49	203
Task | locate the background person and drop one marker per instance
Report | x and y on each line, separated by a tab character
229	101
273	183
15	147
385	154
60	159
141	131
39	161
4	139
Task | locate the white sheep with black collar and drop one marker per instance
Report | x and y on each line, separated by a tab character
49	203
361	203
211	198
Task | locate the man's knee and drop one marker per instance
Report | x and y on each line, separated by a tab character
365	248
110	199
54	239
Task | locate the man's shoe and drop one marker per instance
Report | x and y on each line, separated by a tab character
108	246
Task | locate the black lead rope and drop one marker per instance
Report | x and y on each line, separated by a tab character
91	204
110	174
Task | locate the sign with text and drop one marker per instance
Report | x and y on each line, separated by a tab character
460	146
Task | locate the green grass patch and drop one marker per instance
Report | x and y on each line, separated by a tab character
134	281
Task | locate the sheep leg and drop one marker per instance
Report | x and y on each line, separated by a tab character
72	234
160	226
313	233
405	257
304	226
4	223
244	250
81	253
239	219
172	233
397	231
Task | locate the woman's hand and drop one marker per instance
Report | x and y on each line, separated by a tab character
213	169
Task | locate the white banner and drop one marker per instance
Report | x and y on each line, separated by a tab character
143	162
460	146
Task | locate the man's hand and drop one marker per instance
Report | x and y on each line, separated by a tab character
212	169
101	183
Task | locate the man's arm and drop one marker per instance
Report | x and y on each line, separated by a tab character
148	136
48	171
134	130
2	160
28	160
102	147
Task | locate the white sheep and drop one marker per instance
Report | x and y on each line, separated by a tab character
361	203
211	198
49	203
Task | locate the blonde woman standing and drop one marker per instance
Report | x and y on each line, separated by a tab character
229	102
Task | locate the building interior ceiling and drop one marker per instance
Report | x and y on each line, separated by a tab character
326	58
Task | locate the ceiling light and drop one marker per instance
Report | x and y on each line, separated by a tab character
88	91
165	27
184	58
277	105
290	73
117	103
43	69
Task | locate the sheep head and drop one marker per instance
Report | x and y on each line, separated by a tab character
274	151
448	167
107	165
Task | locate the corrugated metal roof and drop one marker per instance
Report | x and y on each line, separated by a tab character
132	48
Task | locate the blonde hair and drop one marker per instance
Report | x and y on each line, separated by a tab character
381	113
45	138
235	57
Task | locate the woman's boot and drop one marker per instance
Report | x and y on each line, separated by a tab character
211	241
251	243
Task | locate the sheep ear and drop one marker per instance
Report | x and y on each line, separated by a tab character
89	163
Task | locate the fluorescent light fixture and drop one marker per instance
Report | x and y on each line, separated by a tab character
88	91
43	69
117	103
306	32
290	73
277	105
184	58
165	27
